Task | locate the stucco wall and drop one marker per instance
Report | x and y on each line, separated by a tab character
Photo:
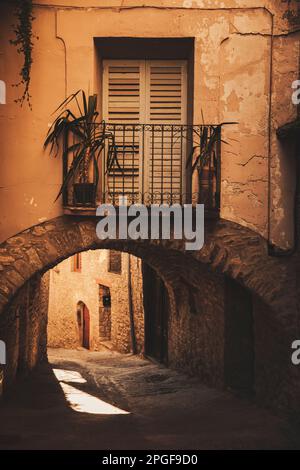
84	287
232	80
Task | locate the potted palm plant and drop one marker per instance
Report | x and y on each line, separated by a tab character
76	132
204	157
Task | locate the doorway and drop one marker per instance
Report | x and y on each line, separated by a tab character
156	307
239	338
83	321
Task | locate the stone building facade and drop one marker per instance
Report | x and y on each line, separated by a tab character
240	58
240	337
23	328
108	297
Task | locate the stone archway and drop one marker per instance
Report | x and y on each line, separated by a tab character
229	250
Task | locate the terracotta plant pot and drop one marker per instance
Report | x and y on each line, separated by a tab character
84	194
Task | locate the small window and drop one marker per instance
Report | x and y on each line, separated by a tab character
105	298
115	262
76	263
104	313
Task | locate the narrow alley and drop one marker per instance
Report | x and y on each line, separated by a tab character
149	230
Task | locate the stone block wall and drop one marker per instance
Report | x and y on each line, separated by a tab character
85	286
119	289
137	302
277	379
196	330
196	341
104	314
23	328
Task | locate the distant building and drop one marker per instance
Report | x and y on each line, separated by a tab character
91	296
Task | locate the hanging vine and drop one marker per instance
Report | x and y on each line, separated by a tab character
24	43
292	13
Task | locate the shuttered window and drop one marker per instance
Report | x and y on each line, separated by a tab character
146	92
166	93
137	91
122	91
76	263
115	262
167	105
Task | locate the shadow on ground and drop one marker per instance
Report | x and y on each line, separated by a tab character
166	409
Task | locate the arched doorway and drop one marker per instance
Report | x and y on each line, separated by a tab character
83	320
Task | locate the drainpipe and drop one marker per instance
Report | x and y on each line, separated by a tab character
131	313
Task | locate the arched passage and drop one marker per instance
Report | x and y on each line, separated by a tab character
229	250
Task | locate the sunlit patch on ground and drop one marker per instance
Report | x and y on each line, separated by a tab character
81	401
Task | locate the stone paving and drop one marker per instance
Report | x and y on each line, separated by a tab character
166	409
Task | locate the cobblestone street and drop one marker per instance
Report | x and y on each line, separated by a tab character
114	401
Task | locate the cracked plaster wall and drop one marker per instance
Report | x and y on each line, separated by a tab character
231	83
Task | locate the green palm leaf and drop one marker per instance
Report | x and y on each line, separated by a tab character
76	132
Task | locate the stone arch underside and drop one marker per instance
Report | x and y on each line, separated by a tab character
229	249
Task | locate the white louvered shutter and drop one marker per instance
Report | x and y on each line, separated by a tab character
123	91
166	107
146	92
123	103
166	90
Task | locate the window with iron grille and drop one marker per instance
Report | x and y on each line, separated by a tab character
115	262
152	92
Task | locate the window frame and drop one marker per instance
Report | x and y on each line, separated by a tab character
109	264
76	263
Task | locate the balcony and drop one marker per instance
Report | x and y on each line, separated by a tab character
150	164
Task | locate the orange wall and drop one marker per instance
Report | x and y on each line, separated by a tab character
231	83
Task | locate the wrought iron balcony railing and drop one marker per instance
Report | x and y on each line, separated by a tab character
153	164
